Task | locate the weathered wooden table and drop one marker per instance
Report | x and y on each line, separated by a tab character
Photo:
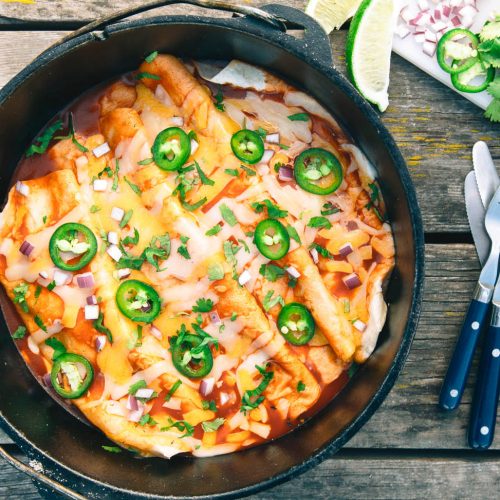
409	449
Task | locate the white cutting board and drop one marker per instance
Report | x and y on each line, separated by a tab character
412	51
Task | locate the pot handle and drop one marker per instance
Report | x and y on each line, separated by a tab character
39	477
245	10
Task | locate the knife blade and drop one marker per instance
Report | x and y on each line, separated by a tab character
475	213
486	173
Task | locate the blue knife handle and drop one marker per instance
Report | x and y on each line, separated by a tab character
485	402
458	369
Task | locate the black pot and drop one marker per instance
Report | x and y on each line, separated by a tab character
70	451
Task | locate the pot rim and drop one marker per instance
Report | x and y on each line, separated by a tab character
341	82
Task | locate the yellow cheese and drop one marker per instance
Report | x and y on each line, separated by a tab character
209	439
195	417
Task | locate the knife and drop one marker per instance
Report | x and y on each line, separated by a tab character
475	213
486	174
458	369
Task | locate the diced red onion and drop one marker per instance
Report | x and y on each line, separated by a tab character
85	280
293	272
62	277
44	275
423	4
144	393
214	317
406	14
285	174
100	185
177	121
352	226
123	273
100	342
101	150
207	386
345	249
172	404
132	403
446	10
455	21
135	416
114	252
91	300
351	281
117	214
194	146
429	48
359	325
223	398
402	32
439	26
113	238
155	332
266	157
22	188
314	255
33	346
430	36
419	38
273	138
91	312
244	278
26	248
81	161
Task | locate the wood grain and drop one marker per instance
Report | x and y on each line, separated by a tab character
435	145
350	475
409	417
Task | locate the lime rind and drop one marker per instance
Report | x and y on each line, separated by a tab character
368	50
332	14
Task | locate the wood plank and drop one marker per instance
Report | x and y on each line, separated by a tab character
436	145
353	476
410	411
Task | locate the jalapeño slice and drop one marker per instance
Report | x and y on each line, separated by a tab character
138	301
272	239
317	171
190	358
171	148
296	324
247	146
462	81
77	242
67	378
462	56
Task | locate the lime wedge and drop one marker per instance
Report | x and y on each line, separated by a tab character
332	14
368	50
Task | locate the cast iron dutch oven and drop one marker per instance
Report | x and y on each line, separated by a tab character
69	451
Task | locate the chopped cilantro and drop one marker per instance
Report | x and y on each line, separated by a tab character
41	143
20	332
233	316
114	187
321	250
146	161
270	300
147	420
271	272
172	390
131	240
329	209
99	326
232	171
301	387
112	449
249	171
151	57
20	292
214	230
38	291
228	215
57	345
140	384
219	101
94	209
71	135
203	305
51	286
252	398
292	232
134	187
209	405
273	210
213	425
126	218
215	272
203	178
184	252
190	207
181	425
299	117
44	219
321	222
144	74
40	323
